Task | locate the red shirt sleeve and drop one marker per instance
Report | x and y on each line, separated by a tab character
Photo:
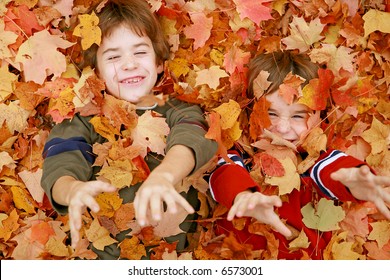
329	162
229	180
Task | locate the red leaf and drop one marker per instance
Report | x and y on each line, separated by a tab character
271	166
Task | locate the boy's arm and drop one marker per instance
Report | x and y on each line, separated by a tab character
329	162
160	185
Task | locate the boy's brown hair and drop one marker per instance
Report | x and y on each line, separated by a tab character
135	15
279	64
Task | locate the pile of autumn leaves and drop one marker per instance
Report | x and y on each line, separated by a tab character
211	45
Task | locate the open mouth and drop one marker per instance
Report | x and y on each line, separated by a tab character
133	80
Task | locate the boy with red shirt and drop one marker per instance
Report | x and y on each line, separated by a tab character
335	175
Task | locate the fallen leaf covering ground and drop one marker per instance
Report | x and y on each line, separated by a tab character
211	42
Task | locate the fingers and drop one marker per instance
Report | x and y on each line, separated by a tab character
280	227
145	200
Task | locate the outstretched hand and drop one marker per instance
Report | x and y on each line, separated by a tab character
260	207
365	185
150	197
81	196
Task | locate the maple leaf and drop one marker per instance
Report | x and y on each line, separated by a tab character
289	181
124	216
380	232
6	38
210	76
356	221
234	59
14	115
118	172
341	249
254	10
179	67
82	251
40	58
41	231
261	84
200	30
376	20
32	180
7	81
99	236
215	133
88	30
56	247
229	113
25	92
300	242
259	119
109	203
22	200
303	34
169	223
270	165
132	249
150	133
6	160
335	58
325	217
62	107
377	136
9	225
104	127
26	249
120	112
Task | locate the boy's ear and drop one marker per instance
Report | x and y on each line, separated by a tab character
160	68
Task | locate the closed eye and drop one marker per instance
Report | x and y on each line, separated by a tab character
272	114
113	57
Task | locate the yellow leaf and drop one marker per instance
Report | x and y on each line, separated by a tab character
376	20
380	233
109	203
56	247
291	179
88	30
132	249
300	242
303	34
210	76
9	225
231	135
217	56
340	249
21	200
6	38
118	173
229	113
325	217
377	136
7	81
103	126
179	67
15	116
99	236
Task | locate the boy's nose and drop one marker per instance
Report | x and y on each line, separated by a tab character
129	63
283	125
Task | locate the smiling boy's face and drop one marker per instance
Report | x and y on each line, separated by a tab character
127	64
288	121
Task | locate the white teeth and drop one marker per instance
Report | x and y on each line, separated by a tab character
132	80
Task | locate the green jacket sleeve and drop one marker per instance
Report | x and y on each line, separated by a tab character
188	127
63	157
